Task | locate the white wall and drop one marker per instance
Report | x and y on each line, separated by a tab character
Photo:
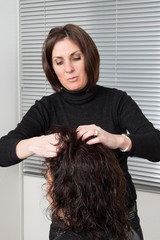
35	204
149	212
36	222
9	177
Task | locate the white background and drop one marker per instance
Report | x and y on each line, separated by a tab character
10	224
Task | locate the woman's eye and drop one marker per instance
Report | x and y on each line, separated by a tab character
59	63
77	58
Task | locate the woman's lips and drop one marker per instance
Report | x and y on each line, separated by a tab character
72	79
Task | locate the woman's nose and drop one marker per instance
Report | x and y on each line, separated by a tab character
69	67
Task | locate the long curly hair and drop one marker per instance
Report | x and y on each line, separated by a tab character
87	189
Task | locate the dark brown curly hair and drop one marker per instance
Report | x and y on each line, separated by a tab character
87	185
83	41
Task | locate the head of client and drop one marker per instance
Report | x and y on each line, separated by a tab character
86	189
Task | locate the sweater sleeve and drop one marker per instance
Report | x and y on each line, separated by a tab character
145	138
33	124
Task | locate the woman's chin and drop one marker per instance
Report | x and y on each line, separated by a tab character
75	87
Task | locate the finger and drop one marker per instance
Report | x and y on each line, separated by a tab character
93	141
51	154
88	134
81	132
53	151
54	139
79	128
96	132
51	148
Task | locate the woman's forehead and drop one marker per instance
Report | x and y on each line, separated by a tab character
65	47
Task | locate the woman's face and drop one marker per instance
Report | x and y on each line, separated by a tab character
68	64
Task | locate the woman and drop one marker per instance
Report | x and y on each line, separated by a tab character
71	63
86	189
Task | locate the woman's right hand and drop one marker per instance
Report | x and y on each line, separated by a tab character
110	140
43	146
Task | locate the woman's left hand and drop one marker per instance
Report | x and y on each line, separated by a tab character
99	135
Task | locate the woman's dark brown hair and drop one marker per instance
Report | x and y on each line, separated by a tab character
87	185
84	42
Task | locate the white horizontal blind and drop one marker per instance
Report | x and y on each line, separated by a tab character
127	34
138	70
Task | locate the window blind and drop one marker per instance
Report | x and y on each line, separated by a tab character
127	34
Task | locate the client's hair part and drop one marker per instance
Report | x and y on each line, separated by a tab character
88	186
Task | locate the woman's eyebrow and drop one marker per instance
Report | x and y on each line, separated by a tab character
70	54
55	57
75	52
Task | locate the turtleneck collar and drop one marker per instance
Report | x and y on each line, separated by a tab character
79	97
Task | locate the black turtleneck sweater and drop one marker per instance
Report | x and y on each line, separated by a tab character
111	109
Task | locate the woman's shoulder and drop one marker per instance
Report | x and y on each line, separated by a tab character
110	90
46	101
112	94
48	98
